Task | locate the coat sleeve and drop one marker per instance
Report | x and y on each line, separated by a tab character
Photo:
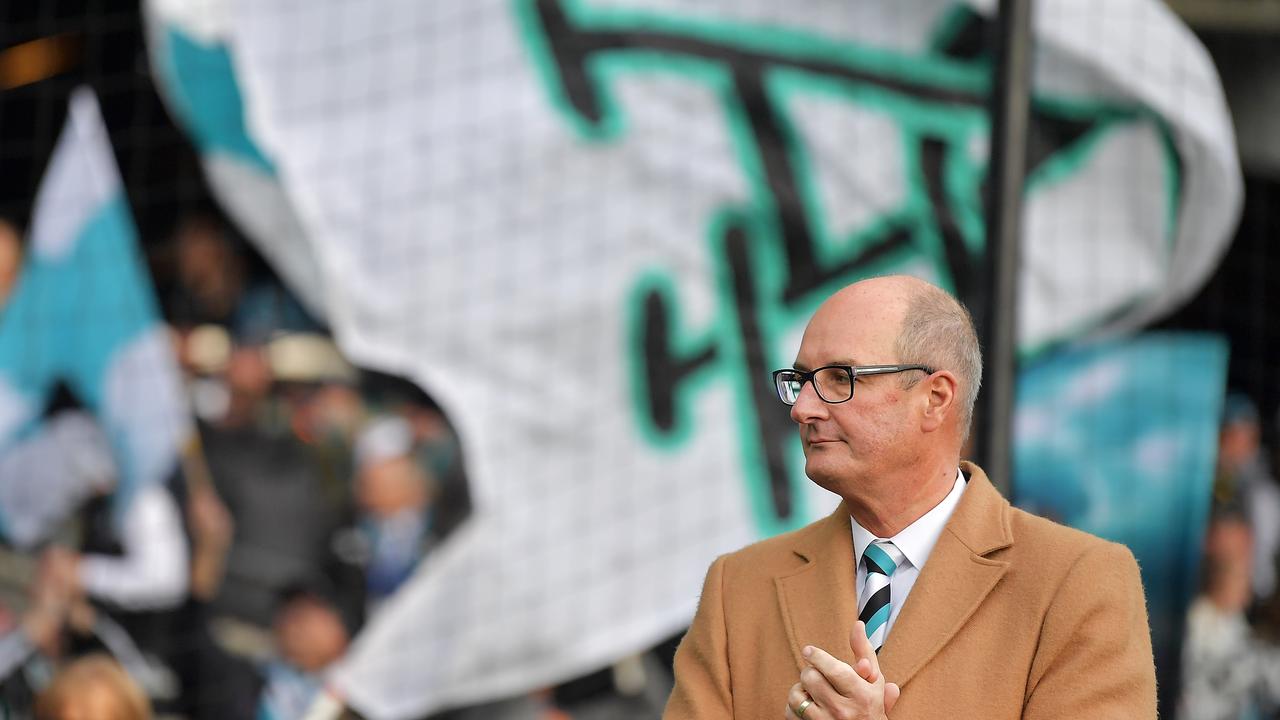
702	690
1094	658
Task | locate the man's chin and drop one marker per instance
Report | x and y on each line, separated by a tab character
823	474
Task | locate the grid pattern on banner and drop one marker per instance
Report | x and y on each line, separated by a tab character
589	228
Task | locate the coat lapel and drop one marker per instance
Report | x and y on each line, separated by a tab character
954	582
819	603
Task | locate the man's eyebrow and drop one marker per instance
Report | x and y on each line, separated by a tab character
805	368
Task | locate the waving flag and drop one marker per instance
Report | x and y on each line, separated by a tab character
591	228
83	316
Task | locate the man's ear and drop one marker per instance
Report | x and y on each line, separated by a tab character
940	400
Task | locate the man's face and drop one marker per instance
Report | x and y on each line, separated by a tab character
847	444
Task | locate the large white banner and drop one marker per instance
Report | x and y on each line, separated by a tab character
591	228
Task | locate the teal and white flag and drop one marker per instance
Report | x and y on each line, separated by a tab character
590	228
83	316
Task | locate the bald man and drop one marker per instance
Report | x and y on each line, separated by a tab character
925	594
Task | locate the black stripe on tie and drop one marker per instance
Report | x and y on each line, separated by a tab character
872	561
874	603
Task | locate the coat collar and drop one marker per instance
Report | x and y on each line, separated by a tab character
820	603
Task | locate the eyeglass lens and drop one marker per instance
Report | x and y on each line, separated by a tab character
834	384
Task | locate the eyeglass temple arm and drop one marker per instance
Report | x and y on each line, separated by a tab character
881	369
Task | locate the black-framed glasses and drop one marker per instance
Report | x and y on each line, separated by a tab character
834	383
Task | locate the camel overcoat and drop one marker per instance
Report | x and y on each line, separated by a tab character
1013	616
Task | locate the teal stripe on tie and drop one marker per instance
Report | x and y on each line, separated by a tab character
877	555
881	617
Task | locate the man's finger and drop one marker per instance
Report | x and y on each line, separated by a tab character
837	672
795	698
861	646
891	694
819	688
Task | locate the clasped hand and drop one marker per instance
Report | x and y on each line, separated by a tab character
837	691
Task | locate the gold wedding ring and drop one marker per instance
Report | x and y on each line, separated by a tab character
803	706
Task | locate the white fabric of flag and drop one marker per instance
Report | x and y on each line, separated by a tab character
83	316
591	228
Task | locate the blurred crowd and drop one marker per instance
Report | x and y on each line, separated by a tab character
1231	649
310	493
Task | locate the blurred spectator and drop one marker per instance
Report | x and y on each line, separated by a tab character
128	576
393	493
67	465
38	631
215	685
1244	484
325	411
1227	674
134	567
248	378
10	259
310	636
93	687
209	273
436	444
217	279
272	484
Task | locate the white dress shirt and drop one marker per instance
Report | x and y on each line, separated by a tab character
916	542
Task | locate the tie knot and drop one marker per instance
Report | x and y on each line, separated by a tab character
882	557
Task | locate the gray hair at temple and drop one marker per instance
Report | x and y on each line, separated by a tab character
938	331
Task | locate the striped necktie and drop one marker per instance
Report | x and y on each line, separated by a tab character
880	558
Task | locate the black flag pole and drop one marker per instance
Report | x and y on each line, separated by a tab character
997	317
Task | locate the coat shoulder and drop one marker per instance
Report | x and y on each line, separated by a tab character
1056	545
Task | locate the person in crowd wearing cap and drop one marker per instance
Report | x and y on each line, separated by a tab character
270	480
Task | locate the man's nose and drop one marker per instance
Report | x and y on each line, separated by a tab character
808	406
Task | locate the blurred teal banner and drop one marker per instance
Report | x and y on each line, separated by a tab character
1119	439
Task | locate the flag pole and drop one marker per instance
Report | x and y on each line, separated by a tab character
1009	106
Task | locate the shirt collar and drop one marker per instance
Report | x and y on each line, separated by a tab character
916	540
